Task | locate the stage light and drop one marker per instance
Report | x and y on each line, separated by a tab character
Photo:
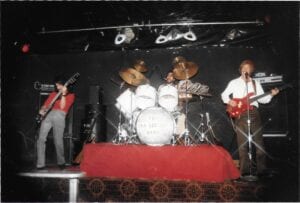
125	36
25	48
173	35
161	39
190	35
120	38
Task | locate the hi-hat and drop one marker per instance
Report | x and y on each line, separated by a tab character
140	66
133	77
185	70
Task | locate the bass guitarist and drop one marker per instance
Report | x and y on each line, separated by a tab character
237	88
54	119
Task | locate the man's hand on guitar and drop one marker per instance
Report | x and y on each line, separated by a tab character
232	103
42	111
64	90
274	91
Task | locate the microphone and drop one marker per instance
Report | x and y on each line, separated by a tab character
246	74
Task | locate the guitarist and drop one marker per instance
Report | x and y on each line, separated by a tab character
237	88
54	119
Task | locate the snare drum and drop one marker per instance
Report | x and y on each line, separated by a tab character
126	103
155	126
168	97
145	96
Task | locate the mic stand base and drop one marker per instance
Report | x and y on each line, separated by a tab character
249	178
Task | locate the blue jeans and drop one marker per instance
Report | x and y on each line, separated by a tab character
56	120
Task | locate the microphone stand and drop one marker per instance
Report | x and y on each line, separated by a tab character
250	177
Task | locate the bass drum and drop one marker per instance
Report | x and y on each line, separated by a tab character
155	126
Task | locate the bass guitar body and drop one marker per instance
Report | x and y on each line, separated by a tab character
244	103
241	107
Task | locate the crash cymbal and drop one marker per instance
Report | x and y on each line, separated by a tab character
185	70
140	66
178	59
133	77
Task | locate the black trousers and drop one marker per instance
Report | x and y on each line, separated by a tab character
242	140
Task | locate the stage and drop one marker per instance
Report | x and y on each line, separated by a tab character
209	163
110	172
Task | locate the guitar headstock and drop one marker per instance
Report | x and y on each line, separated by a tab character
72	79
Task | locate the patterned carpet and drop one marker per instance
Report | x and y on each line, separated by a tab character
112	190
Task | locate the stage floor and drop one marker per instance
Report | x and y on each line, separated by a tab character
100	189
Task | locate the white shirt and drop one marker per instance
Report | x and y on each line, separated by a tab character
237	87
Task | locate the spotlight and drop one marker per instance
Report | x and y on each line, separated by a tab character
120	38
173	35
25	48
161	39
190	35
125	36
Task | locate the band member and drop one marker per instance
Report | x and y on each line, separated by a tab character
237	88
54	119
170	78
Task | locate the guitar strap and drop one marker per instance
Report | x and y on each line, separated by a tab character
254	86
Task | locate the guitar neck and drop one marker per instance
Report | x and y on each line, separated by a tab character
267	93
253	99
54	100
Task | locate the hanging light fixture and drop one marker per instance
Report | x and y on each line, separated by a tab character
190	35
125	36
173	35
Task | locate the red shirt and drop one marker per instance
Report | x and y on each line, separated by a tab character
69	101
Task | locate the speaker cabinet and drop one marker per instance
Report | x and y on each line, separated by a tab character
275	114
95	94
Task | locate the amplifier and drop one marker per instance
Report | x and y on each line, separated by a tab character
269	79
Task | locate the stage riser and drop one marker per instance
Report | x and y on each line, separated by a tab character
103	189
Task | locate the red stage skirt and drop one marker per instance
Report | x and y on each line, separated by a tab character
207	163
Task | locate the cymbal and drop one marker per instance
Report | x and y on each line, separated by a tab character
133	77
140	66
185	70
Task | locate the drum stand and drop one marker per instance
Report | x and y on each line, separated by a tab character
118	139
132	138
203	133
186	133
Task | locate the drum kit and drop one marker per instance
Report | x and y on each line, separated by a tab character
157	117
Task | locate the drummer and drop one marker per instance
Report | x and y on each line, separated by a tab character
178	113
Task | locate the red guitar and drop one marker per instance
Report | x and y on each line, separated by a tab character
243	105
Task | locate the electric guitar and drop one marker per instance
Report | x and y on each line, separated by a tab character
243	105
39	118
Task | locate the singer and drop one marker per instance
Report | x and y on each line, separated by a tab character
240	88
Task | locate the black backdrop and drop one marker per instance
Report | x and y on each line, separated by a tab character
216	67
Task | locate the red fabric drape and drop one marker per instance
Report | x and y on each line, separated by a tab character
203	163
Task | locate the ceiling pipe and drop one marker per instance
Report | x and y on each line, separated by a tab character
153	25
